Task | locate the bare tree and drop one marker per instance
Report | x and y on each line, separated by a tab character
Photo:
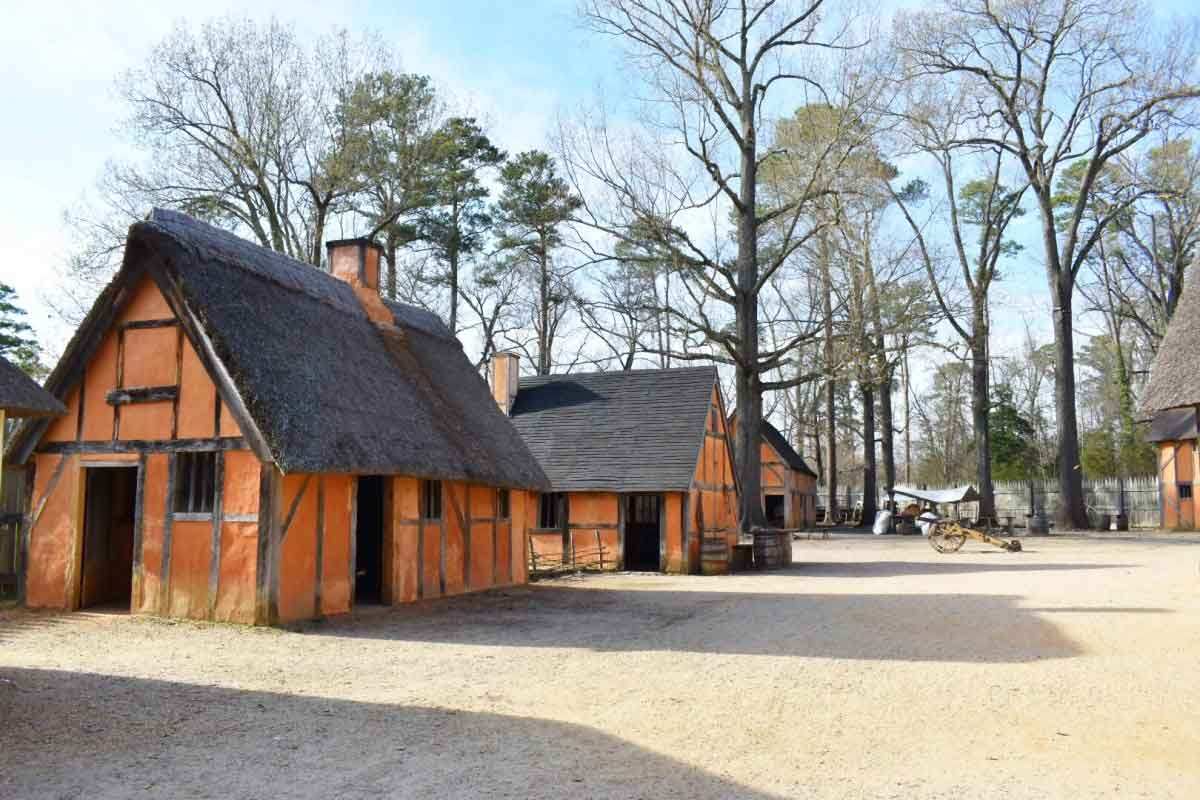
236	123
977	216
1056	82
711	66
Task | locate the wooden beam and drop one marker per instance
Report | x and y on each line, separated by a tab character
140	394
142	324
164	596
146	446
214	566
320	565
287	521
265	596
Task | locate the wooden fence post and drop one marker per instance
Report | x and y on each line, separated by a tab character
600	549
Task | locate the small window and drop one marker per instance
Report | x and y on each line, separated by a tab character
552	511
644	509
1185	491
195	483
502	511
431	499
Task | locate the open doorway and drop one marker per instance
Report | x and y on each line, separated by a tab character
368	542
110	506
774	507
642	532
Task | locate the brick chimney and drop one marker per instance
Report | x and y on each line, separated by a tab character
357	262
505	377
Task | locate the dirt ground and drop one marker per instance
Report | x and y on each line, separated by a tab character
873	668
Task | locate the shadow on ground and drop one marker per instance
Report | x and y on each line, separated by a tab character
71	734
950	565
891	627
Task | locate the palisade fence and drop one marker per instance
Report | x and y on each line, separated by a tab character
1017	499
11	519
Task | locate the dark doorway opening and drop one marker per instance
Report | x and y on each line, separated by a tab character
642	532
774	509
110	506
368	542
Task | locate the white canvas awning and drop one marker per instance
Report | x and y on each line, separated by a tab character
955	494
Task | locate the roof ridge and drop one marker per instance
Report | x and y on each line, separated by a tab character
167	222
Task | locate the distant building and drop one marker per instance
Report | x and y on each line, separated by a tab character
639	463
1171	398
251	439
789	486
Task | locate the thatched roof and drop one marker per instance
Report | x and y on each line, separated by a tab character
1174	379
311	379
20	396
1173	425
634	431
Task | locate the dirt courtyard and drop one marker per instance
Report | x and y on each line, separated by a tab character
872	668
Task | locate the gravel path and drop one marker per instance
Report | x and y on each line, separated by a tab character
873	668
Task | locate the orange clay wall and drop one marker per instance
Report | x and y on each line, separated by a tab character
594	519
712	501
176	571
471	548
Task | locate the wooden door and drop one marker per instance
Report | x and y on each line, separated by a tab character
109	509
642	532
1184	473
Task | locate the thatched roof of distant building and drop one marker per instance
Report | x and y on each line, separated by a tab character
1175	374
314	384
20	396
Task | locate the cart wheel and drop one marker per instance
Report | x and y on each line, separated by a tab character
945	542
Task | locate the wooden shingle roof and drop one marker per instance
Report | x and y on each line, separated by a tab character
779	442
633	431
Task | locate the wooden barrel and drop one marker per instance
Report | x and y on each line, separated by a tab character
771	549
714	555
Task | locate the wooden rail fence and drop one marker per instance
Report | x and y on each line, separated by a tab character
577	559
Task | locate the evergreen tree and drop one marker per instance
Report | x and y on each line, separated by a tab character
456	223
534	204
17	343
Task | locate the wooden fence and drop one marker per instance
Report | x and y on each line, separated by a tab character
577	559
1139	496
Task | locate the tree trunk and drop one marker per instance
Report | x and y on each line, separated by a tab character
452	258
543	323
749	388
887	432
389	255
830	388
907	416
867	391
980	408
1071	512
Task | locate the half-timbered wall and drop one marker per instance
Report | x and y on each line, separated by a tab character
145	397
711	503
275	548
1178	464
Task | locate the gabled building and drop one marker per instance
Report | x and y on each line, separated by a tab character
789	486
639	464
251	439
1171	398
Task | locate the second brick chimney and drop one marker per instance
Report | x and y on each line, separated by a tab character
357	262
505	379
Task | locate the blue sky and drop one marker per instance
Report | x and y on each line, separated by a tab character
515	64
